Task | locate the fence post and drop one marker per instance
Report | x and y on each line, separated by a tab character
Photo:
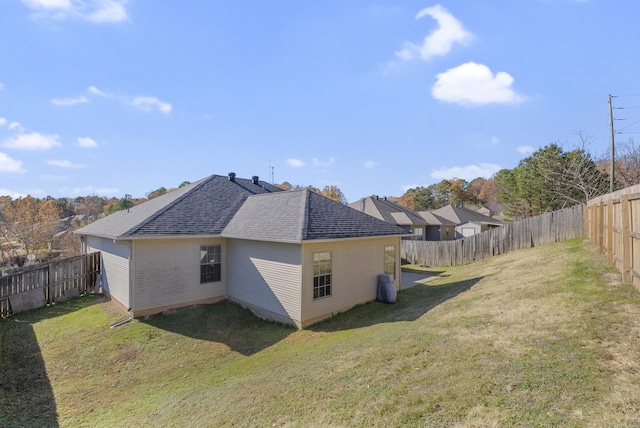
610	231
51	287
626	239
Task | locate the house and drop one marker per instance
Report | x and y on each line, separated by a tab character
395	214
496	211
423	226
294	257
438	228
468	222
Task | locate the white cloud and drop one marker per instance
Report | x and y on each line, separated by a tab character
3	121
15	125
48	4
449	32
69	101
526	150
108	11
468	172
98	11
475	84
1	86
8	164
296	163
65	164
33	141
319	163
370	164
11	193
148	103
86	142
97	91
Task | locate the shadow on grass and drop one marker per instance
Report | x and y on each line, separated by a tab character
27	395
410	305
223	322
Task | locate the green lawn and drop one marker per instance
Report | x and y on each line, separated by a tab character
540	337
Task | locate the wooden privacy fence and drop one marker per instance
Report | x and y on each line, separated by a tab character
48	282
555	226
612	223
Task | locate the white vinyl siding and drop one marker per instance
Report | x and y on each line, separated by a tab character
265	275
115	267
167	272
355	266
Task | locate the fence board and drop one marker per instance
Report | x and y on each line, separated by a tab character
58	279
550	227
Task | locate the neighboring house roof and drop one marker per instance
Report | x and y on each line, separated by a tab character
240	208
460	215
302	215
433	219
388	211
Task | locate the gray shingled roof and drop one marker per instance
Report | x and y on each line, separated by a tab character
434	219
389	211
240	209
461	215
302	215
201	208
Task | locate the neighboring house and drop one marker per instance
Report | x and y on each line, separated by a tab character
438	228
392	213
468	222
496	211
294	257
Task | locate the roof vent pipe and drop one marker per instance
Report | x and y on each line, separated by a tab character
362	201
232	176
255	179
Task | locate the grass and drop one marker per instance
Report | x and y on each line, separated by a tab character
540	337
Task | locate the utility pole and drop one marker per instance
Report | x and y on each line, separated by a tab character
613	169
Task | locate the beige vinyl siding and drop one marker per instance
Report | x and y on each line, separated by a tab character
355	268
166	273
266	276
115	267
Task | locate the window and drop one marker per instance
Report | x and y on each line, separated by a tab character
390	260
321	275
210	264
417	233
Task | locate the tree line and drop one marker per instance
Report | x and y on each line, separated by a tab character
550	178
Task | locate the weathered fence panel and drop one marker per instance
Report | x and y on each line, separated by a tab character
612	223
59	280
550	227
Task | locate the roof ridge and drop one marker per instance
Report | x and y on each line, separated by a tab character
304	214
165	208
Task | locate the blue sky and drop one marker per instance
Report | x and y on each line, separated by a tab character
115	97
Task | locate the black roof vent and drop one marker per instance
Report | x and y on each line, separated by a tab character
232	176
255	179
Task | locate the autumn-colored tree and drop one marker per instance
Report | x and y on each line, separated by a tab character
408	199
30	222
489	192
121	204
459	190
474	189
158	192
333	192
285	186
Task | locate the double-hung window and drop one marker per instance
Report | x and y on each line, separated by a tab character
210	263
390	260
321	275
